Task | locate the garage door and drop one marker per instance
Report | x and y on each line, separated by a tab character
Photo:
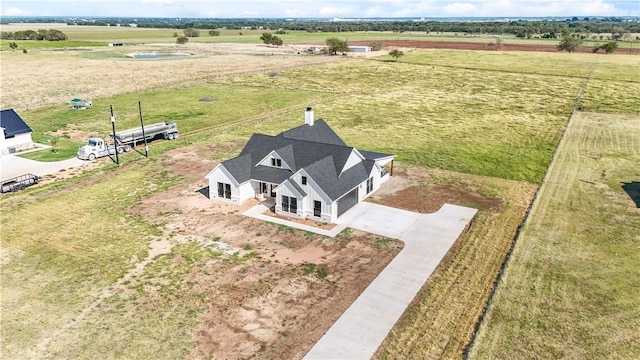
347	201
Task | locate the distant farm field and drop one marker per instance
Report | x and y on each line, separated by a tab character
135	254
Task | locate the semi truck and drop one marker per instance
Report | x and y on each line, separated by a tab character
126	139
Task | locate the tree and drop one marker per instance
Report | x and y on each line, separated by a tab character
336	45
568	43
276	41
214	33
13	46
608	48
266	38
191	32
270	39
182	40
396	54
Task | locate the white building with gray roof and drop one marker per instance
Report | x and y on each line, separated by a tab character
306	172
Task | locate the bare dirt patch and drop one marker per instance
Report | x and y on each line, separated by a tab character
410	190
279	301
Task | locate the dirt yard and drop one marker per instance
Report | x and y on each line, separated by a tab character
278	304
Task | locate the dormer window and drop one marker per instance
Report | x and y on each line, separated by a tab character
304	180
276	162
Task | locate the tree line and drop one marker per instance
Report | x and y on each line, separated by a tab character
41	34
519	28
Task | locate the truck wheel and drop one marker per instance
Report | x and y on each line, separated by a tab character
127	148
120	150
169	136
175	136
92	157
22	187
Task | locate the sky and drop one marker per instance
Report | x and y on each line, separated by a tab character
319	8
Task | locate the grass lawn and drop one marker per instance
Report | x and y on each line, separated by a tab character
473	120
83	242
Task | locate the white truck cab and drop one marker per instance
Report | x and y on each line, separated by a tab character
95	148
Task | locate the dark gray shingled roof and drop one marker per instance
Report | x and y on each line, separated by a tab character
370	155
320	132
315	148
12	123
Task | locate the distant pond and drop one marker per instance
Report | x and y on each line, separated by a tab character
159	56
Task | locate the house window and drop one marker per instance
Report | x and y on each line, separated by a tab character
317	208
369	185
289	204
276	162
224	190
304	180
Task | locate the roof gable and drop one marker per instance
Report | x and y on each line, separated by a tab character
239	167
12	123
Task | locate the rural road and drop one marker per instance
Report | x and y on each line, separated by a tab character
12	166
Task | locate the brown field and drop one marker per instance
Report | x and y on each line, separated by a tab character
489	45
46	78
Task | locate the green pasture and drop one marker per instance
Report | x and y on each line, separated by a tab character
181	105
494	123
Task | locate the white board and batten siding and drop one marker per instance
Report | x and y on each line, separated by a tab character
314	193
220	175
286	190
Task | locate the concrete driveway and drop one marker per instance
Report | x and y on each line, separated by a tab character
12	166
360	330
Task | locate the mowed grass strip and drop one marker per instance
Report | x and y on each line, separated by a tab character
571	287
62	246
441	318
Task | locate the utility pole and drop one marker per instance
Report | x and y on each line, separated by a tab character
146	146
115	142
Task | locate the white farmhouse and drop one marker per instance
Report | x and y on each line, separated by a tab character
307	172
15	134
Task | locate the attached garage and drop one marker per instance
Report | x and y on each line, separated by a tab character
348	201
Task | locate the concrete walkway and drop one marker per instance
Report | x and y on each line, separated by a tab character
358	333
12	166
258	211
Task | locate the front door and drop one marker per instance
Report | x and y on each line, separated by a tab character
273	193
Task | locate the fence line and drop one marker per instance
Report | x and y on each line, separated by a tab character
496	282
